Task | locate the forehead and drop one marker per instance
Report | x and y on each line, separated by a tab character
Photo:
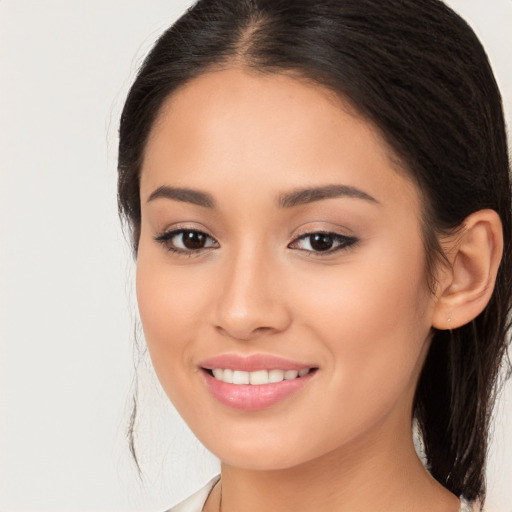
236	125
216	100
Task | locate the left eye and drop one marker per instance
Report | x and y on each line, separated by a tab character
186	240
322	242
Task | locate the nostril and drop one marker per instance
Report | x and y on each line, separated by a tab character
244	332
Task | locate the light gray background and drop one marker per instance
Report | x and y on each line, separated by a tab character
67	307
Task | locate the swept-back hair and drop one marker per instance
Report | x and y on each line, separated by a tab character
417	71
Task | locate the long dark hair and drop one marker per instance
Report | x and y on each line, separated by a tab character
418	72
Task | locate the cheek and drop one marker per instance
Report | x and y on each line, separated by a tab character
373	316
169	310
169	313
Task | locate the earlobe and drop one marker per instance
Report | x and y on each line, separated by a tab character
466	285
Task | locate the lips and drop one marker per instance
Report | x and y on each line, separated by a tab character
252	363
254	382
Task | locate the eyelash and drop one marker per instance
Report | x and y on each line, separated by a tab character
342	242
166	238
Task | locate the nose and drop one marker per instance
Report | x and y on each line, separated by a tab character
251	302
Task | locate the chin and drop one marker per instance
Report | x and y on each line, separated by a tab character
261	456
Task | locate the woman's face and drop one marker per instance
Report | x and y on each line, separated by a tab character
279	242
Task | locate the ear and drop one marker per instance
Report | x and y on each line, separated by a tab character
465	286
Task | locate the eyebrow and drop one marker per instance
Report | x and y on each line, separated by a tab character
185	195
310	195
288	200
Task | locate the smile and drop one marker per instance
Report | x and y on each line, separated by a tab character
258	377
256	382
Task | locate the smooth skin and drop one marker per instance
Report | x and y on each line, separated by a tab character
252	279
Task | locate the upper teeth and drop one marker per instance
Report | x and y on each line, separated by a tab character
257	377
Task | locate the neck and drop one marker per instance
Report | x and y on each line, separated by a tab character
383	473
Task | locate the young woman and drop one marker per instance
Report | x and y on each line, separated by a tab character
320	205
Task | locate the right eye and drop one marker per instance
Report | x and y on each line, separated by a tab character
186	241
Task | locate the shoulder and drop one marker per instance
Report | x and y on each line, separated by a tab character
196	502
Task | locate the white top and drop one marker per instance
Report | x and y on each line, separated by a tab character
195	503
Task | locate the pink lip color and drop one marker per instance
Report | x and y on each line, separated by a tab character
253	398
252	363
249	397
